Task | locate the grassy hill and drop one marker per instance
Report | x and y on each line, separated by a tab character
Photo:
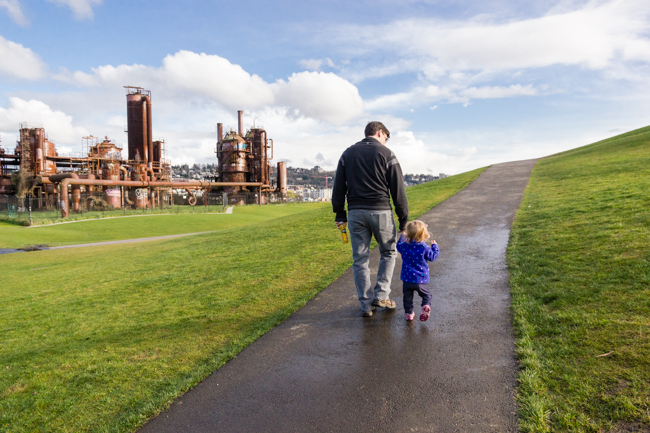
102	338
579	260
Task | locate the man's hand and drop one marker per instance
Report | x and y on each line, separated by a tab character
341	225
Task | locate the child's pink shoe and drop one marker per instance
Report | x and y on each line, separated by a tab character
426	310
410	317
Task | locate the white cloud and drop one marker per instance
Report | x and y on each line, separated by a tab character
320	95
493	92
57	124
81	9
316	64
595	36
15	11
20	62
416	156
452	93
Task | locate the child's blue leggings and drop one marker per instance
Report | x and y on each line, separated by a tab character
423	291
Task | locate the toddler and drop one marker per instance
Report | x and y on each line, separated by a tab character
415	269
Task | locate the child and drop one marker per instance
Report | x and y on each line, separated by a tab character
415	269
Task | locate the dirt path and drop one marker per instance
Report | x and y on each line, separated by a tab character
327	369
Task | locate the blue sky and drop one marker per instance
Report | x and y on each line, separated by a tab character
460	84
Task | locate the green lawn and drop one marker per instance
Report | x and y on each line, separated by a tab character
44	217
108	229
103	338
579	260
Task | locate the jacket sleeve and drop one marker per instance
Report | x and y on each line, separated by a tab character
397	190
431	254
400	244
339	191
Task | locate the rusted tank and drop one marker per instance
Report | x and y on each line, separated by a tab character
233	154
261	168
138	113
35	149
141	197
111	171
157	153
233	158
113	196
49	152
107	149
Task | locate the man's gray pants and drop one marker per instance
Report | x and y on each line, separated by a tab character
363	224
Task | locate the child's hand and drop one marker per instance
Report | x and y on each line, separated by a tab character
434	242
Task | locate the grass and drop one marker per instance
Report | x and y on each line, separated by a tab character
44	217
422	196
579	261
102	339
108	229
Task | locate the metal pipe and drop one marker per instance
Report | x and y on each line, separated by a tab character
55	178
40	162
90	188
149	131
151	176
145	131
123	170
195	184
240	116
219	132
192	200
265	170
126	198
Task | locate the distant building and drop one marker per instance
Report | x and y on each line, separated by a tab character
317	194
442	176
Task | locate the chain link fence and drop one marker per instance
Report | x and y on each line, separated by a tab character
47	209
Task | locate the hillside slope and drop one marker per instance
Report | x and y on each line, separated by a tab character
579	261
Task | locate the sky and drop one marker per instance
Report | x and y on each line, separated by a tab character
460	84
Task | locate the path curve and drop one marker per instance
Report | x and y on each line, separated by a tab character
327	369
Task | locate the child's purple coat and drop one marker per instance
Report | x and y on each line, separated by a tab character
415	256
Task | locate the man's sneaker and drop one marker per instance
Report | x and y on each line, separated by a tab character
367	313
386	303
426	310
410	317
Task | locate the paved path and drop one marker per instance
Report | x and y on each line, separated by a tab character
327	369
98	244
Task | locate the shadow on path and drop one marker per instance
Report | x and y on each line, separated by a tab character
327	369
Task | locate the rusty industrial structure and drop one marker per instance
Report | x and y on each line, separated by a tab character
142	179
246	157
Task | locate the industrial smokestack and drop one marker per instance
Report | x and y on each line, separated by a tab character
240	115
219	132
282	178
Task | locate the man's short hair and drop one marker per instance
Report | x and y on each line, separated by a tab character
374	127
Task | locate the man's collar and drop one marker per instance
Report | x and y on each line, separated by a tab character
372	140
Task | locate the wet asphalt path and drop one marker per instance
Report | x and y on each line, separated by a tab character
327	369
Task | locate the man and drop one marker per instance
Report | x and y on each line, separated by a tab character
369	174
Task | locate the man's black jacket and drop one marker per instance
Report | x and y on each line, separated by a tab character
369	173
